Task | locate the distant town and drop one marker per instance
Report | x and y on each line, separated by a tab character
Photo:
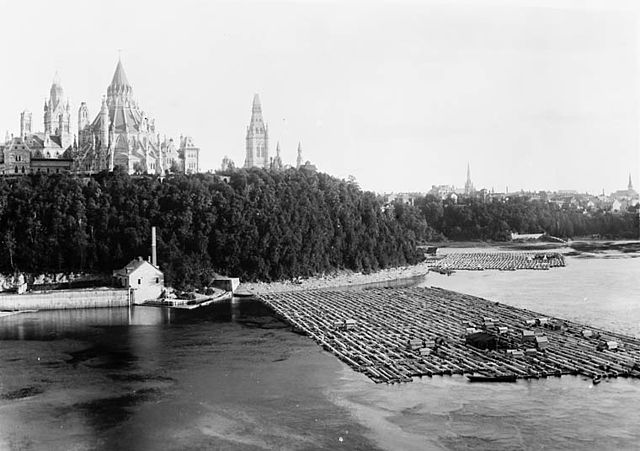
616	202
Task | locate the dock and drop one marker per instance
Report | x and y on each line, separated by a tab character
503	261
395	334
190	304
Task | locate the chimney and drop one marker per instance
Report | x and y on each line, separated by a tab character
154	260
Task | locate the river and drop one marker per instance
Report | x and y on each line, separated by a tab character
233	377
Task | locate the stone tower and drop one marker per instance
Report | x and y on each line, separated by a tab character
257	145
104	125
190	154
83	122
630	186
57	114
25	124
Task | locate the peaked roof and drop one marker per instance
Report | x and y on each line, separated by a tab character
119	77
133	266
56	79
256	115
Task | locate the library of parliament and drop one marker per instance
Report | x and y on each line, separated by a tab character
121	134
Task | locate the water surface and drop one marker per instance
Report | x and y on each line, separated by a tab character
233	377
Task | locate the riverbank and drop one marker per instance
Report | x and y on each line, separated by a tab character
345	278
339	279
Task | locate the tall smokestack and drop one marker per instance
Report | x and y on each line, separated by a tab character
154	260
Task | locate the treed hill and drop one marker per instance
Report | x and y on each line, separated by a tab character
263	225
255	224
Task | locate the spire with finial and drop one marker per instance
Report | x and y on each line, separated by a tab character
257	140
468	186
56	92
276	162
630	187
119	86
299	159
256	112
56	79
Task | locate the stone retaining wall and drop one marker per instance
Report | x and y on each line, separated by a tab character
65	299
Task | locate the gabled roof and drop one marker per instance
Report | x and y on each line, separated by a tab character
133	266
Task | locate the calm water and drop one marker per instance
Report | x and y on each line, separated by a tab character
232	377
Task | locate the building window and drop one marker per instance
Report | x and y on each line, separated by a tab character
23	169
16	169
139	281
157	279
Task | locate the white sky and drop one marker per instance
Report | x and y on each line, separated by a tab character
533	94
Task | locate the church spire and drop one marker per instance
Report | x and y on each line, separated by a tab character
630	184
299	159
468	186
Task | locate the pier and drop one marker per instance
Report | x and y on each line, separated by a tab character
394	335
504	261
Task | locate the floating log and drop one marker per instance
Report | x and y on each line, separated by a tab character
393	328
503	261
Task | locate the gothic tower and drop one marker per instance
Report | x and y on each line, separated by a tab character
257	145
83	122
104	125
57	114
25	124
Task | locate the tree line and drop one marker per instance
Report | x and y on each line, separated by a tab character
472	218
255	224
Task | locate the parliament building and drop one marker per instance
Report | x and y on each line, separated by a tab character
121	134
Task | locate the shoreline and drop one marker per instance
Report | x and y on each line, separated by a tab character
340	279
347	278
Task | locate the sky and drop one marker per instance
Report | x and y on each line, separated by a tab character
533	95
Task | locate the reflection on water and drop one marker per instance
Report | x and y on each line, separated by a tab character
225	376
231	376
57	324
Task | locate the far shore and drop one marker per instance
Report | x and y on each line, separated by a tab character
339	279
347	278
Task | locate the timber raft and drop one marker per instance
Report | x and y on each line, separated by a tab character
503	261
393	335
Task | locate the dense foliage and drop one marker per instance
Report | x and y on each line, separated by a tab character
257	225
474	219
